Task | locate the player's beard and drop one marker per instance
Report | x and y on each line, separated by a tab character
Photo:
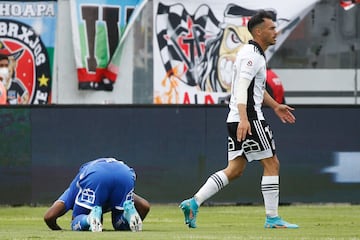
273	42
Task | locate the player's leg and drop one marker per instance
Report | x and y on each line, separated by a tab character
94	191
128	218
132	216
263	143
95	219
85	219
270	191
217	181
80	220
270	185
122	198
118	220
220	179
80	223
213	184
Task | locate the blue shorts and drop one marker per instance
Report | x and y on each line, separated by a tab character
105	182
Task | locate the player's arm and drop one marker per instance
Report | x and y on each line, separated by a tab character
241	94
57	210
283	111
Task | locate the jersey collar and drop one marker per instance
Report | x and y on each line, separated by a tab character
258	47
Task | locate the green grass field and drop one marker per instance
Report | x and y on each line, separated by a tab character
218	222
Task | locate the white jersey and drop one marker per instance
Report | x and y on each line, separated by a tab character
250	64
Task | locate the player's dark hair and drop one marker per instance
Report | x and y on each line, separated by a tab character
258	18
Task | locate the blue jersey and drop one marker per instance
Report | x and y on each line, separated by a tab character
104	182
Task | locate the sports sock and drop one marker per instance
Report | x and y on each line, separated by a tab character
270	191
214	183
80	223
119	222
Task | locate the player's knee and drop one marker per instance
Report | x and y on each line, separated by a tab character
234	172
271	166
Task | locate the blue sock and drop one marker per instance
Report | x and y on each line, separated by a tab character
120	224
80	223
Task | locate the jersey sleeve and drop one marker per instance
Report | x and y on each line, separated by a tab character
69	195
247	65
66	199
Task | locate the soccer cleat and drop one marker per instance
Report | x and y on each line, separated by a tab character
94	219
190	209
277	222
132	216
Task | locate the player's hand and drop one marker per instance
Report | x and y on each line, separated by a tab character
284	112
242	130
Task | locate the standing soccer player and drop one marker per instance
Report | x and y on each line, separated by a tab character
250	137
102	185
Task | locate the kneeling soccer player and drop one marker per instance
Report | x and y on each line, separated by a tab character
102	185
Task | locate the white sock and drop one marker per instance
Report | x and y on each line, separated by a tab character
270	191
214	183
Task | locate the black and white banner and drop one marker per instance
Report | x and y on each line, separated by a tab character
195	44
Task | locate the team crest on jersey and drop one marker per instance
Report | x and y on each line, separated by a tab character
29	81
249	63
88	196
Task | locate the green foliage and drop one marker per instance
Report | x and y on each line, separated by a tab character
327	222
